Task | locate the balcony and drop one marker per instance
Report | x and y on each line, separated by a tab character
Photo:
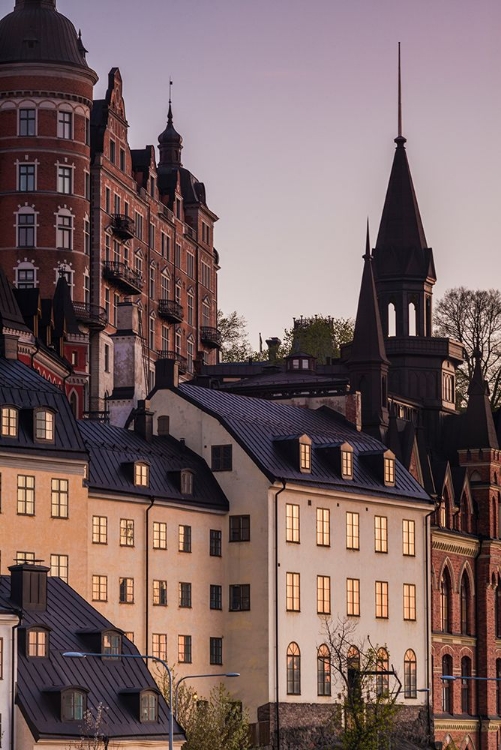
93	316
123	277
211	337
123	226
190	232
166	354
170	310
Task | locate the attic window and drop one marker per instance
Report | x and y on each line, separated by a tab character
141	475
389	471
148	706
111	643
305	454
73	705
186	482
37	642
44	425
346	461
9	421
221	457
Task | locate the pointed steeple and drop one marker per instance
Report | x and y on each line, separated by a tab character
170	143
480	431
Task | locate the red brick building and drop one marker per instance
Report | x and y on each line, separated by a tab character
133	237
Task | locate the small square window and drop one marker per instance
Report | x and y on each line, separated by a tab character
222	457
240	597
239	528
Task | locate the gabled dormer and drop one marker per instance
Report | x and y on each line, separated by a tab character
340	457
297	449
382	464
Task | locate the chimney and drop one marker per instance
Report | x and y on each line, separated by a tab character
28	586
273	345
166	373
8	346
143	420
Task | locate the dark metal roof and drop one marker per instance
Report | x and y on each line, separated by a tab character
22	387
258	425
36	32
113	450
40	679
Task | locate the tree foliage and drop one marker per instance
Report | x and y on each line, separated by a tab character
366	712
319	336
235	341
473	317
93	730
216	723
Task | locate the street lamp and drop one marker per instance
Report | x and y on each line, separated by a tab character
452	677
83	654
197	676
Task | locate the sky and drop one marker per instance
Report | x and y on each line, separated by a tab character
288	111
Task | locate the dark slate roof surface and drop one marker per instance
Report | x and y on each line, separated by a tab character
66	613
113	449
258	425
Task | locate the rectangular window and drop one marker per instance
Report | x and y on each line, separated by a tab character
409	601
190	265
151	236
26	178
165	246
99	530
382	599
323	595
206	275
221	457
160	593
126	591
59	566
64	232
304	457
216	651
215	543
117	202
184	538
216	596
292	522
99	588
25	495
184	594
86	238
352	531
323	527
126	532
353	597
59	498
113	149
27	122
24	557
64	180
87	185
139	225
37	642
389	471
1	660
240	597
184	649
380	533
293	603
177	255
107	200
159	535
122	160
64	125
239	528
26	229
347	464
159	645
408	537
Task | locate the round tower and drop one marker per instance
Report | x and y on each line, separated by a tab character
45	102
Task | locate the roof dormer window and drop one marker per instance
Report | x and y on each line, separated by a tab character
73	705
141	474
111	643
44	425
389	470
186	482
346	461
37	642
148	706
304	454
9	421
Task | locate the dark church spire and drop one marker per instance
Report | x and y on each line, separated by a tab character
480	431
170	143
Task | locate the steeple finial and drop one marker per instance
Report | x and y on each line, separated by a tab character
399	140
169	114
367	242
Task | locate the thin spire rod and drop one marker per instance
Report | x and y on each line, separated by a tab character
170	91
399	96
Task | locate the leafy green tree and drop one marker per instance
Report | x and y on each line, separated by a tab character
215	723
235	341
319	336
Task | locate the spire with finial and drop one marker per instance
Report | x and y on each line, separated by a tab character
170	143
480	431
399	140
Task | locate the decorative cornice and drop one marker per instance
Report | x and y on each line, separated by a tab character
460	546
448	639
458	725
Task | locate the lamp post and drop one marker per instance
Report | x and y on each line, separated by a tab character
83	654
197	676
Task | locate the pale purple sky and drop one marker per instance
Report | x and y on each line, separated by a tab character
288	110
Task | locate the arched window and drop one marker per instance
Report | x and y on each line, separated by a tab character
382	668
74	404
165	285
73	705
353	668
447	684
149	706
64	229
410	668
323	670
293	669
465	604
392	320
465	685
445	602
412	319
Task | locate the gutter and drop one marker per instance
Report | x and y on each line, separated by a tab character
277	666
146	575
13	680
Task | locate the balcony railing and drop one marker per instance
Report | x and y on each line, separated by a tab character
123	226
93	316
167	354
170	310
123	277
211	337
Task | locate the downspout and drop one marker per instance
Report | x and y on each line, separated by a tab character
477	682
13	682
277	694
428	613
147	575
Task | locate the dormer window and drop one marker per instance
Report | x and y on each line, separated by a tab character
305	454
73	705
186	482
9	421
389	470
37	642
148	706
44	425
141	474
346	461
111	643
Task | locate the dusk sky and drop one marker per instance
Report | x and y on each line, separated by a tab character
288	111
